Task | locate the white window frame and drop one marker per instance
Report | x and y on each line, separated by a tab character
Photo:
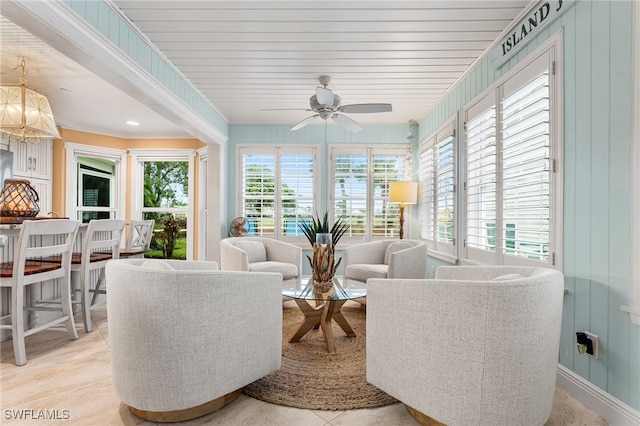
75	150
634	287
100	174
278	151
553	48
141	156
202	203
441	250
370	152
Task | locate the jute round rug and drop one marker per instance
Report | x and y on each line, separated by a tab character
314	379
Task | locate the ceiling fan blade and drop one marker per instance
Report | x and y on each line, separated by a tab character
324	96
346	122
365	108
305	122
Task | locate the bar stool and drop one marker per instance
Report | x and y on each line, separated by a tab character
138	240
100	244
37	239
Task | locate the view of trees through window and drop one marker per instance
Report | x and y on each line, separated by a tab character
277	181
278	189
361	190
166	185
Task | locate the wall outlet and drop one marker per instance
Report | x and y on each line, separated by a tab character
587	343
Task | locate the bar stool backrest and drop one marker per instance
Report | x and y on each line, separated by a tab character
139	238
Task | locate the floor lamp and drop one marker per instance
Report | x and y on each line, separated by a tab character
403	193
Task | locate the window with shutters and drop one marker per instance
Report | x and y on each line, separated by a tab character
360	190
509	161
277	189
438	191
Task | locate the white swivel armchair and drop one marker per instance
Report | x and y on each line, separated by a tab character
259	254
185	337
475	346
385	259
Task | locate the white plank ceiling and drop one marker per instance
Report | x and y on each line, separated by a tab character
245	56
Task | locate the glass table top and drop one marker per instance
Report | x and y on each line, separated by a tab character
337	292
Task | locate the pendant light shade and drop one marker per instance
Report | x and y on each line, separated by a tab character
24	113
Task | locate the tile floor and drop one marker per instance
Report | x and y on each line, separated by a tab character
71	379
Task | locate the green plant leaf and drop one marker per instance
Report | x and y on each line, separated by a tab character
321	226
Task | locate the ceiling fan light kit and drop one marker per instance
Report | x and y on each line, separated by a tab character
326	104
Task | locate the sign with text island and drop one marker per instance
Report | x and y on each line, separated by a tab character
538	18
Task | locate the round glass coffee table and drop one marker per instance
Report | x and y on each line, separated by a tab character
320	308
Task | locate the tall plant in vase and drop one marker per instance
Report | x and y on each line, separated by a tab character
323	240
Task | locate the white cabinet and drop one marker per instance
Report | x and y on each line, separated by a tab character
33	160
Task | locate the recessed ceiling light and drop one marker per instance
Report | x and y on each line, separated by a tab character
132	123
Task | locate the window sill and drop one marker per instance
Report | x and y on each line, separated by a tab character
634	312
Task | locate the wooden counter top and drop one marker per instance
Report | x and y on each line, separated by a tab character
13	220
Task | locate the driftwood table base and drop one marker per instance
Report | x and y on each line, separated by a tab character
322	315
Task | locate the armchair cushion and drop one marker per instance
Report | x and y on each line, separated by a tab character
288	270
394	247
362	272
256	252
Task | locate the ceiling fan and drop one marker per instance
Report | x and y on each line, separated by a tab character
326	105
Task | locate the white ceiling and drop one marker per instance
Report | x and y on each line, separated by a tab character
245	56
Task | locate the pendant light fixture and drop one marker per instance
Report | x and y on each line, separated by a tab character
24	113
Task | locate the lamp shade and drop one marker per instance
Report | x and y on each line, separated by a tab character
403	192
25	113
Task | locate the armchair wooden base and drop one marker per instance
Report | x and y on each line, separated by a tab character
423	418
187	413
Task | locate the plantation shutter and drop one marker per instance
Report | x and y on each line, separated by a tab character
481	190
427	195
296	189
350	190
437	190
258	191
387	168
509	171
361	178
445	191
526	165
